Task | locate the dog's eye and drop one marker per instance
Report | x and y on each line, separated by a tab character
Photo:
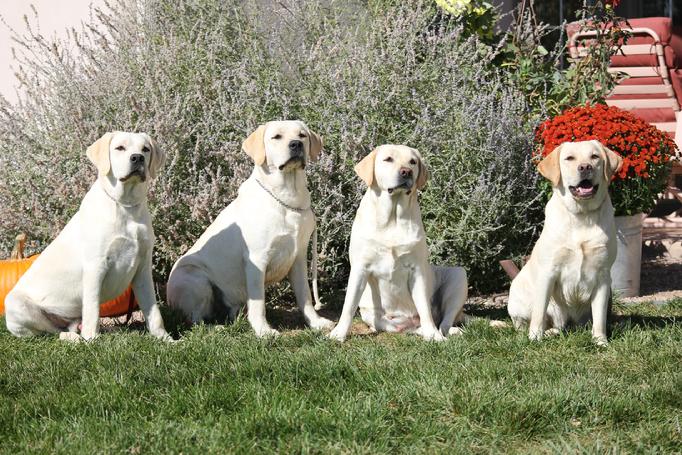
594	157
388	159
145	149
277	136
413	161
570	158
302	136
120	148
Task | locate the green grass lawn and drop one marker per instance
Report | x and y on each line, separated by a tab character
490	390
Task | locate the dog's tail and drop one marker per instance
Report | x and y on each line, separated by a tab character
316	294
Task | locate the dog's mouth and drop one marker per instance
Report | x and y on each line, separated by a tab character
293	162
584	190
137	172
406	185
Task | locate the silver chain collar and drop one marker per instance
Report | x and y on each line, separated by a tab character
282	203
316	296
116	200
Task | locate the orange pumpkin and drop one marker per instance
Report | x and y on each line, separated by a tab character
123	304
12	269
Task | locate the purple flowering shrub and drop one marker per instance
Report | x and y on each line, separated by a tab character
199	76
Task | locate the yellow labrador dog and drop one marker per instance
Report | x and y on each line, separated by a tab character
391	279
259	239
568	273
102	249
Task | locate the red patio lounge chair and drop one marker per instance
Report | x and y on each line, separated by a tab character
653	91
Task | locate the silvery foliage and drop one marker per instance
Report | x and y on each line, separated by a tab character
199	75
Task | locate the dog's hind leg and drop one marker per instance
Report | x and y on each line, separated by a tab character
190	291
519	323
556	318
24	318
517	305
449	297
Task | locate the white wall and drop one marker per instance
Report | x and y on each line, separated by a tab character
54	18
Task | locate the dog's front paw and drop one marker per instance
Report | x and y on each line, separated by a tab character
72	337
497	324
600	341
265	331
164	336
321	323
89	335
535	335
430	334
338	334
453	331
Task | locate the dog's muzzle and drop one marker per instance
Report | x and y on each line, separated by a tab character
584	190
296	160
405	185
136	168
137	171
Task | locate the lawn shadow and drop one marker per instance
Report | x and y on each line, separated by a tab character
645	321
487	312
282	316
288	319
659	276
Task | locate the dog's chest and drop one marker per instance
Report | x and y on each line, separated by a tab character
285	245
582	269
393	264
393	270
123	256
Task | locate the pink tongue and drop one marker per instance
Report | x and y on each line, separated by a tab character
583	191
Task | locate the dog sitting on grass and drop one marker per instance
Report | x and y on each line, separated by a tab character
391	279
259	239
102	249
568	274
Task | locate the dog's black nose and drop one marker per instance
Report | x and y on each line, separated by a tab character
584	167
137	158
405	172
296	146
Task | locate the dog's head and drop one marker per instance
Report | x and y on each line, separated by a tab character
393	168
284	145
127	157
581	171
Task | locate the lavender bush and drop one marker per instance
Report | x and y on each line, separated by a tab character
199	75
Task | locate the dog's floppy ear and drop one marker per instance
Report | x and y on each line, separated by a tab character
550	168
158	157
612	161
316	143
423	172
98	153
254	145
365	168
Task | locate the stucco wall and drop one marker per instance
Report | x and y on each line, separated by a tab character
54	18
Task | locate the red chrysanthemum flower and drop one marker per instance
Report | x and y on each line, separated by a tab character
641	145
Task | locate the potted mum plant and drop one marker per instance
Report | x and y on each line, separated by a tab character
647	154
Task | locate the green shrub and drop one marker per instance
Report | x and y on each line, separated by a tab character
198	75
